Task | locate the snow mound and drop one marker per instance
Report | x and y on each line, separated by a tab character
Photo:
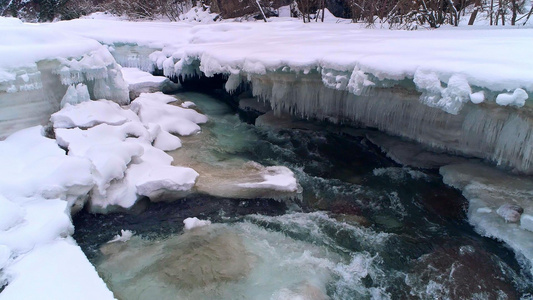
91	113
126	154
517	98
151	108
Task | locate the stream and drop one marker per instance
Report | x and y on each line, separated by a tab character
363	227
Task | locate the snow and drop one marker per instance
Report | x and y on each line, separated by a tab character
39	186
191	223
135	76
477	97
24	44
10	214
517	98
55	271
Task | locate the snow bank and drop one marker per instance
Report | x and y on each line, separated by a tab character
496	201
58	270
39	186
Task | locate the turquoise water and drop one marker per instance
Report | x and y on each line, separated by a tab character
363	228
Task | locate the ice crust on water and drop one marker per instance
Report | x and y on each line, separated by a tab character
490	194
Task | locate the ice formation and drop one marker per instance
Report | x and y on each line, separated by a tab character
37	66
486	190
377	78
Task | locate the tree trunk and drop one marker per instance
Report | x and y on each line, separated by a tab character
474	13
491	11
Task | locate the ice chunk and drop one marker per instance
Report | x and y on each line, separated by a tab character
517	98
124	236
143	82
191	223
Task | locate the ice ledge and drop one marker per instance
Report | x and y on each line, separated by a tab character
487	190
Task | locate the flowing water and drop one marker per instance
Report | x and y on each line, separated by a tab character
363	227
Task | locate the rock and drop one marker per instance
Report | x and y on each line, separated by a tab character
510	212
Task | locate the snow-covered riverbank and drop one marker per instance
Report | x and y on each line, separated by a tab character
462	91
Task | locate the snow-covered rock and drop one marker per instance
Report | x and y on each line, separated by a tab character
510	213
143	82
152	108
92	113
191	223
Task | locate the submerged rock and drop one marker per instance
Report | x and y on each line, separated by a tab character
510	212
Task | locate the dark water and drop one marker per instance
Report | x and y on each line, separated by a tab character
398	233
